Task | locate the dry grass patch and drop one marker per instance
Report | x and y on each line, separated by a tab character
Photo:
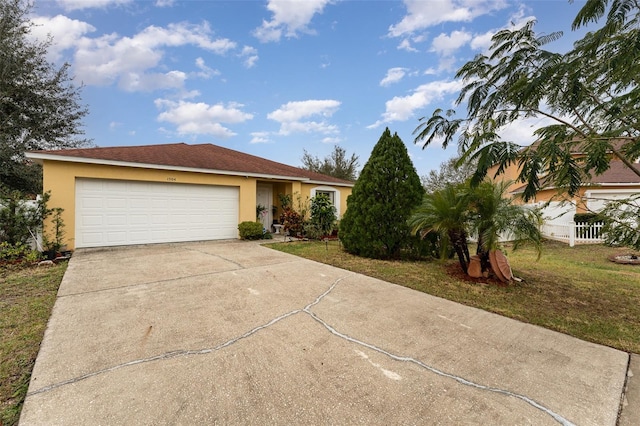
574	290
26	299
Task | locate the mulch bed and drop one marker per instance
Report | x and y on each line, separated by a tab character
455	271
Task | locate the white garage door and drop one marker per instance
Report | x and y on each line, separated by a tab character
597	199
113	213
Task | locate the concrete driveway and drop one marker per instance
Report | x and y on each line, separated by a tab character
234	332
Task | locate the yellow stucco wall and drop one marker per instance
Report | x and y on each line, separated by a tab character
59	177
510	174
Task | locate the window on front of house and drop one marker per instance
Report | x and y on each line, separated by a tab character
330	194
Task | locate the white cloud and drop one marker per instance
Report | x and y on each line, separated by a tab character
402	108
196	118
424	14
260	137
291	116
447	44
332	140
482	42
205	71
250	55
293	111
65	32
182	34
394	75
70	5
109	58
521	131
164	3
323	127
447	64
516	21
289	19
406	45
148	82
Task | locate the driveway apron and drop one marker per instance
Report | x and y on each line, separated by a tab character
233	332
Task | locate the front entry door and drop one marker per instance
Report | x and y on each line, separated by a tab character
264	197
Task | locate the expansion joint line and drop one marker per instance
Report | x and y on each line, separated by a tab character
307	310
434	370
186	352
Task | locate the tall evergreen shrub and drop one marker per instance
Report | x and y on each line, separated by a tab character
382	199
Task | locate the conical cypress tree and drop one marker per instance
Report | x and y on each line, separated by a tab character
382	199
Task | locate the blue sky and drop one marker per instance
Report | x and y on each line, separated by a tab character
272	78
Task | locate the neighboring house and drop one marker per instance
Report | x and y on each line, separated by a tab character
618	182
169	193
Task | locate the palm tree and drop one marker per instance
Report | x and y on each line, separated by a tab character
493	215
445	212
460	210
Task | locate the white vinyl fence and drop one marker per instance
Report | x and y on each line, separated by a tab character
573	233
36	234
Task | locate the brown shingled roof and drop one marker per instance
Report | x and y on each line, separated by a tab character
618	173
202	156
577	147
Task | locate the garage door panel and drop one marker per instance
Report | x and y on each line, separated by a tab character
91	220
138	236
117	220
116	238
92	202
138	219
126	212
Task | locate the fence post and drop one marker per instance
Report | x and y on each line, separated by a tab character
572	234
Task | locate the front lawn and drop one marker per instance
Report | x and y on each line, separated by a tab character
573	290
26	299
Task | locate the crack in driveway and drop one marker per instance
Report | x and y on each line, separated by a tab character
307	310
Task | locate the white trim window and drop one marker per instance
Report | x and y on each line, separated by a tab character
332	193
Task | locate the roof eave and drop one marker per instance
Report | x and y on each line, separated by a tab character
40	157
583	185
328	183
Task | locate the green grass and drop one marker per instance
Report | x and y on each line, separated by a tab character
573	290
26	299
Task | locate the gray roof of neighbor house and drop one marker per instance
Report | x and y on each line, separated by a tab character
204	157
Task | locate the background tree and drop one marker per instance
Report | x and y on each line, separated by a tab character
451	172
39	106
375	223
590	94
336	164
